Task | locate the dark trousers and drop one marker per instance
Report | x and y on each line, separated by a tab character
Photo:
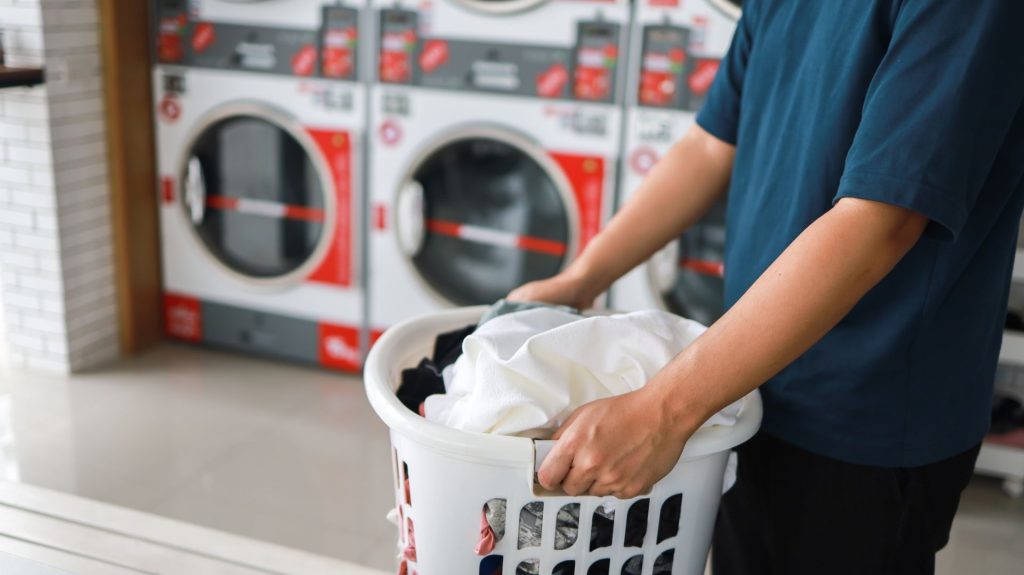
793	512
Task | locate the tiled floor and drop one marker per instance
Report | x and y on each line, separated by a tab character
281	453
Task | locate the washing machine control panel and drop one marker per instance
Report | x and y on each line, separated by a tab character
327	49
585	71
670	75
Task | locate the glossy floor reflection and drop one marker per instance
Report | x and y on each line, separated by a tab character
282	453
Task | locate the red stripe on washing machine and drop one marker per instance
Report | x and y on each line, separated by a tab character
265	208
496	237
703	267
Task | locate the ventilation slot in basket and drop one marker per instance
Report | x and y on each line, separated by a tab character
663	564
671	510
636	523
531	523
567	527
529	567
601	567
602	527
633	566
491	565
565	568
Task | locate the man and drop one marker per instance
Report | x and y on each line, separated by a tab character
873	152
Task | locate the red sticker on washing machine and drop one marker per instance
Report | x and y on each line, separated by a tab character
336	267
304	61
203	36
434	55
703	76
339	347
390	133
167	189
170	109
169	47
586	175
642	160
552	81
380	216
183	317
338	53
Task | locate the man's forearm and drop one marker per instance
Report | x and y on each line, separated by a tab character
680	189
810	287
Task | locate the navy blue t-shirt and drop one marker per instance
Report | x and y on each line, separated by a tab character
916	103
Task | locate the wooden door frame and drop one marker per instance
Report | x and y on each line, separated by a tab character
131	156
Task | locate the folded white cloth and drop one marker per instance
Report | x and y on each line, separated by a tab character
524	373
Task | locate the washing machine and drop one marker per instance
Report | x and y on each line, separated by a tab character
677	46
260	122
495	137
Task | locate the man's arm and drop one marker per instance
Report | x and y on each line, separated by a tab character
679	190
623	445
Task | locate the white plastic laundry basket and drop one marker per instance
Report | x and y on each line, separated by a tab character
451	474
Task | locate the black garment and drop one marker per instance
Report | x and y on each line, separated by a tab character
793	512
425	379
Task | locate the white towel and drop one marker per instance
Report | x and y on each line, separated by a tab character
524	373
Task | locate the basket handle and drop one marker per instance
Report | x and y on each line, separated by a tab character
541	449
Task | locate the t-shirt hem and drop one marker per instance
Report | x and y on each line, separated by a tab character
874	454
715	126
921	198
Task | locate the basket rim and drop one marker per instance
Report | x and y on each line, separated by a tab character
500	449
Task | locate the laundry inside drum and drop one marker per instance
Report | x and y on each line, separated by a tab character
495	218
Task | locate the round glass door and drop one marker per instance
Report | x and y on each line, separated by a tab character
501	6
254	196
698	286
482	215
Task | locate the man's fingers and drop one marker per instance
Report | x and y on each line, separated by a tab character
555	467
568	423
577	482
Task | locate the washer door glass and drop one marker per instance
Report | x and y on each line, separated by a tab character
494	218
699	289
254	196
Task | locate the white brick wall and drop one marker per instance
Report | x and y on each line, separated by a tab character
56	261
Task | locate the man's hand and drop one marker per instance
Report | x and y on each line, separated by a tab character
567	288
619	446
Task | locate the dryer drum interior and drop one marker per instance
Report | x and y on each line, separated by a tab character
493	218
254	196
697	291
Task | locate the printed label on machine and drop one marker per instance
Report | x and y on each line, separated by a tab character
664	67
597	57
339	39
399	43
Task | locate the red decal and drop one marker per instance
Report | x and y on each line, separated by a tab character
703	76
305	214
169	48
203	37
704	267
541	245
227	203
170	109
390	133
380	217
337	53
591	83
183	317
304	61
336	267
642	160
444	228
435	54
586	174
339	347
167	189
552	81
667	3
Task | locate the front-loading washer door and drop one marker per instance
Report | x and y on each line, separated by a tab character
698	289
500	6
493	215
254	196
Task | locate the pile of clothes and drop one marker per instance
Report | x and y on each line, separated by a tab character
523	370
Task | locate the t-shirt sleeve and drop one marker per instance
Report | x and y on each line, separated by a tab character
720	115
939	109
